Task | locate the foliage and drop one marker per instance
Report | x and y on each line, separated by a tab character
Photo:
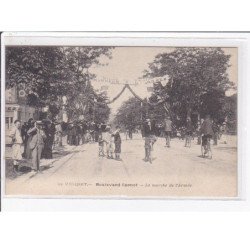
230	111
49	73
129	114
198	80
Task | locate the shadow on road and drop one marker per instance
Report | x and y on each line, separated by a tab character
25	166
226	148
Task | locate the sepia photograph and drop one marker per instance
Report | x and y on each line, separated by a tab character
121	121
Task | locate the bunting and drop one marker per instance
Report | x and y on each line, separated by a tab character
135	95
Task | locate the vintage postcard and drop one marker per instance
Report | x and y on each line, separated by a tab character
142	120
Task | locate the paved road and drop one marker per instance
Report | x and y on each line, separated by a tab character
181	171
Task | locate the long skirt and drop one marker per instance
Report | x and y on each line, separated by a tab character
28	151
17	153
118	147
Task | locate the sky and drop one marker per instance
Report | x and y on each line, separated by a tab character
130	62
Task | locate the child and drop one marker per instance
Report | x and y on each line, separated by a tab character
118	142
107	138
149	143
101	145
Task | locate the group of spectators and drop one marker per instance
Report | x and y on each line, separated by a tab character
80	132
36	139
32	141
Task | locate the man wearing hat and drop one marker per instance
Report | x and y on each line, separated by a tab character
37	144
149	134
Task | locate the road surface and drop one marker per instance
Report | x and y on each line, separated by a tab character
175	172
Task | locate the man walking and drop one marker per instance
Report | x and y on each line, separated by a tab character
149	134
206	132
37	144
17	142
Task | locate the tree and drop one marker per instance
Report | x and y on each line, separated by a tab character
198	80
81	98
130	113
230	112
50	73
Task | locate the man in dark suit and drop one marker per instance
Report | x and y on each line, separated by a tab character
36	144
148	128
149	134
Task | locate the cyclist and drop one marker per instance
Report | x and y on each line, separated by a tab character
167	130
207	133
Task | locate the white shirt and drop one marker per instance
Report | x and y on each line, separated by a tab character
15	134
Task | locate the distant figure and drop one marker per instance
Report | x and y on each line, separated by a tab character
224	131
101	145
167	130
58	134
198	133
189	132
130	132
92	129
17	142
69	134
74	134
24	135
108	139
37	144
206	130
49	130
118	142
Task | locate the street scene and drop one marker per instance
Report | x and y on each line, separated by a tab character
121	121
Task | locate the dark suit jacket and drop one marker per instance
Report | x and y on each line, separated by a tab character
38	137
207	128
148	130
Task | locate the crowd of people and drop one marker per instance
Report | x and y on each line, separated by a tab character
37	139
205	130
32	141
